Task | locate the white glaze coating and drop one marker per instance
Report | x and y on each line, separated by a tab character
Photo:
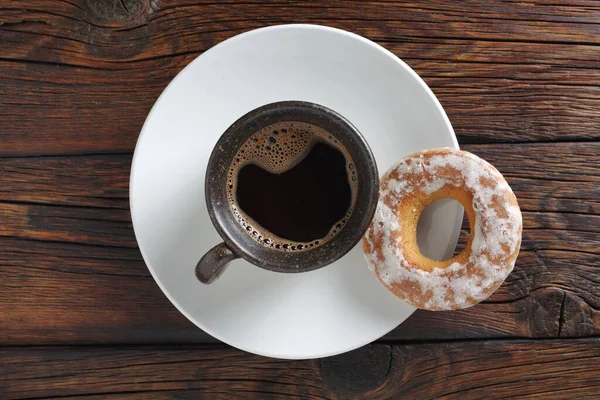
496	235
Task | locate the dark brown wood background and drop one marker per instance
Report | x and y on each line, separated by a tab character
80	315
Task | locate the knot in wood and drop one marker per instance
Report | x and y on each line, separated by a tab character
357	373
119	11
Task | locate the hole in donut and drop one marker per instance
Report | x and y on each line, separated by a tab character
463	238
436	226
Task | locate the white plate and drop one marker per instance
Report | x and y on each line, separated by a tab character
315	314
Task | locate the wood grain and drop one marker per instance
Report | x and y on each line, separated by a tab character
66	235
514	72
519	81
91	181
555	369
61	293
552	177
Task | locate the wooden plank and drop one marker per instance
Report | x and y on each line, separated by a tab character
552	177
550	294
542	230
74	225
81	78
554	369
66	237
91	181
61	293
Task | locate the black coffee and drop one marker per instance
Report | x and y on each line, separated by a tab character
292	186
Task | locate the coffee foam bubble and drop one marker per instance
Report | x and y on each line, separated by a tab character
278	148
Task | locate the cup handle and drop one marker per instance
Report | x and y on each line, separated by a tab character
211	264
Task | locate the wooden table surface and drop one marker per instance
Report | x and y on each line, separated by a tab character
80	315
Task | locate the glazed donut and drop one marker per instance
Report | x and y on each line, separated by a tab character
390	243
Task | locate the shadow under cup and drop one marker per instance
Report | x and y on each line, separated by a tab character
240	239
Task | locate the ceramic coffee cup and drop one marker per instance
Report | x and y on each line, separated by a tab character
280	143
